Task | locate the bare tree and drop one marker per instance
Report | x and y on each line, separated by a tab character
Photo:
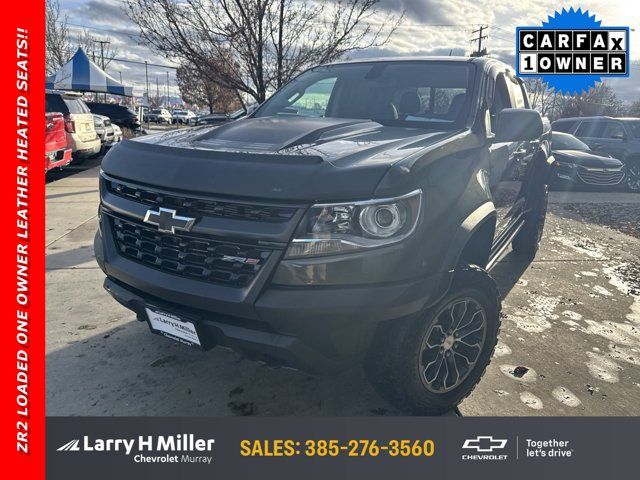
540	97
633	110
57	42
197	89
270	41
61	43
599	100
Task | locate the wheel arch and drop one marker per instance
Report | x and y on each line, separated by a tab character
475	231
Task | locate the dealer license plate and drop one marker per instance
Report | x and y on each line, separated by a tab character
173	327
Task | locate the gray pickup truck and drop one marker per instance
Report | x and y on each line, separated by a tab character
617	137
352	218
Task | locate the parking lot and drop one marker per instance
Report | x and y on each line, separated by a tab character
569	344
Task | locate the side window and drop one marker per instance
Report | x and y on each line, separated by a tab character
613	130
592	129
424	94
54	103
75	105
518	95
501	98
444	98
561	126
315	99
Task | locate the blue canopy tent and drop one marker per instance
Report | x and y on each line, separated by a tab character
82	75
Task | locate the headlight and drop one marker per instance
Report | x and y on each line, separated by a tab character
344	227
563	163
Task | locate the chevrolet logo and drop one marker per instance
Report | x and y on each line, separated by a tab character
167	221
484	443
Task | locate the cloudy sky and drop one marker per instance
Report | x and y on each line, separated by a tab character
430	27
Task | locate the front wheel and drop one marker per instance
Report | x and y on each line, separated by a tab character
428	364
633	176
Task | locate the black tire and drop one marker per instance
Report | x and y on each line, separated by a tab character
395	361
632	182
527	241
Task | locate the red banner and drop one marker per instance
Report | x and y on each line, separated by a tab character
23	312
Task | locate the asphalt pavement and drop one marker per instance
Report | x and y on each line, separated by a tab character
569	344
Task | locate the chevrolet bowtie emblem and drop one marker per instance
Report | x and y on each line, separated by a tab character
485	443
167	221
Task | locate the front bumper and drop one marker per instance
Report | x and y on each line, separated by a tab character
566	175
312	328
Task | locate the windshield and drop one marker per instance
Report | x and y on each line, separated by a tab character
560	141
428	94
155	110
58	103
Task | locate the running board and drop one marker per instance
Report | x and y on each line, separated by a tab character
504	243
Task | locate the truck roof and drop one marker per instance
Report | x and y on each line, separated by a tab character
594	117
479	60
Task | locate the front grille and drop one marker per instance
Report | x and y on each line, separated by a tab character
187	255
196	207
606	177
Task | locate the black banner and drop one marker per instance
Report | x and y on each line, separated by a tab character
380	447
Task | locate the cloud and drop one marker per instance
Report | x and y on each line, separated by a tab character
431	27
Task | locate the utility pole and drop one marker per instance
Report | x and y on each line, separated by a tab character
102	44
146	74
157	91
480	52
167	87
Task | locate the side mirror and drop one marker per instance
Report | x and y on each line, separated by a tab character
518	125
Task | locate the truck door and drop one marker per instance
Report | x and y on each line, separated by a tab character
507	160
590	132
611	140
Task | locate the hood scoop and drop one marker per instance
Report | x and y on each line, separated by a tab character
238	146
272	134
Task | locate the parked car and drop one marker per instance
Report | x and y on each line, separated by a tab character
577	165
120	115
184	116
105	130
618	137
351	218
57	153
218	118
159	115
117	133
78	121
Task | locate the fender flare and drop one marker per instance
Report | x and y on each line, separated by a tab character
470	225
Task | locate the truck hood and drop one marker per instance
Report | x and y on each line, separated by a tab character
586	159
283	158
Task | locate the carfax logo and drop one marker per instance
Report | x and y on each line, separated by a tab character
176	448
486	447
571	51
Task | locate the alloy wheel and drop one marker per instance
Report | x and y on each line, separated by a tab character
451	347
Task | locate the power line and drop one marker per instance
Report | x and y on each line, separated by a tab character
479	52
144	63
